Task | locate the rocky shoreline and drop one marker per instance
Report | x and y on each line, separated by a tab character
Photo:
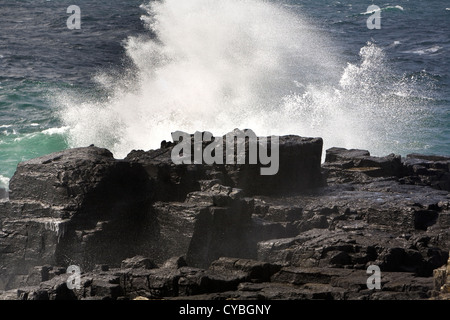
144	227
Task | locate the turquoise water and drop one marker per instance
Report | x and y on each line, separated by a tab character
28	127
304	67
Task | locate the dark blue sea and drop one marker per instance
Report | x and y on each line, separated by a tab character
137	70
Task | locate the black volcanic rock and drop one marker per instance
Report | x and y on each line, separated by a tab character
212	222
224	231
432	171
137	262
171	182
348	164
79	206
299	169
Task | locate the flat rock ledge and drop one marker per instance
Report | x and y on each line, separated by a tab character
143	227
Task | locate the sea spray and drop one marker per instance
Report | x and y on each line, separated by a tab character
370	107
4	182
218	65
214	65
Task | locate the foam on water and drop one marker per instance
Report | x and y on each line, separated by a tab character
4	182
52	131
425	51
370	107
217	65
397	7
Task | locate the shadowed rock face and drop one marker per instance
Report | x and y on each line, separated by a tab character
299	169
225	231
83	207
79	206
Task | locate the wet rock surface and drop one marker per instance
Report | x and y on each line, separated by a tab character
145	227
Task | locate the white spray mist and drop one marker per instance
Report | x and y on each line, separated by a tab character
217	65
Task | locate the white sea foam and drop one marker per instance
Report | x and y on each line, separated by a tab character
26	136
383	9
4	182
425	51
52	131
8	133
32	135
217	65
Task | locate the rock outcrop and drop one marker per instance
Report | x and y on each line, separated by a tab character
79	206
145	227
442	282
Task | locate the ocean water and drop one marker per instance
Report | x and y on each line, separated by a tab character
138	70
